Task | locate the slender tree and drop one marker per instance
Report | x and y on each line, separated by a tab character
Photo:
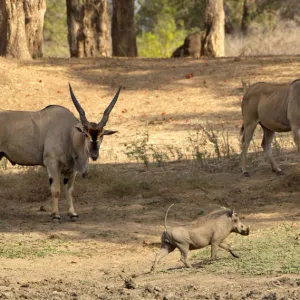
123	29
21	28
214	21
88	28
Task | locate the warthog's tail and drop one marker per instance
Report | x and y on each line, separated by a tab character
242	132
167	215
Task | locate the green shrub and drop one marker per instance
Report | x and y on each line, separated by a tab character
163	40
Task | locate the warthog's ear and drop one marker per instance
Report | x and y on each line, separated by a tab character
109	132
232	212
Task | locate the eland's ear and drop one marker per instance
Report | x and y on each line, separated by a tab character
80	127
109	132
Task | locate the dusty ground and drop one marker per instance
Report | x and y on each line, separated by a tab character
108	253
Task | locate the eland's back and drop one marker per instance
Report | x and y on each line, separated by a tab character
23	133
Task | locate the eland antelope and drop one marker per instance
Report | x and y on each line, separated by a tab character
53	137
277	109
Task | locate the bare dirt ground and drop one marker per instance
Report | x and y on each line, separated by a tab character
108	253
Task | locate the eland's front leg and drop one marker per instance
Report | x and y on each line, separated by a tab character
69	187
54	180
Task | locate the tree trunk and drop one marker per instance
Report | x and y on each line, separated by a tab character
213	38
123	29
229	27
88	28
21	28
249	6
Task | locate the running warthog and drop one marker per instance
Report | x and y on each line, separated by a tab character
277	109
212	230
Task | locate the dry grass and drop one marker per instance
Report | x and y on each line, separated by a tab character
279	39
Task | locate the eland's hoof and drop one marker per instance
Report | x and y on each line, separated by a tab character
56	219
74	217
246	174
280	173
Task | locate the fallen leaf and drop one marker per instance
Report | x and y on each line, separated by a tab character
189	75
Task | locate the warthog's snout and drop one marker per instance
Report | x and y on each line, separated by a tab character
245	230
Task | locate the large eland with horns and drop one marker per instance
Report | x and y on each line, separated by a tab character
53	137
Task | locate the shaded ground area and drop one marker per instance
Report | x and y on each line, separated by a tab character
108	253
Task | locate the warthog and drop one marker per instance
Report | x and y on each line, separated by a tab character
277	109
212	230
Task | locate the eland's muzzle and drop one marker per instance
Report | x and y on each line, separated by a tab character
94	157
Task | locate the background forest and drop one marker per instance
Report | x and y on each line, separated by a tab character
270	27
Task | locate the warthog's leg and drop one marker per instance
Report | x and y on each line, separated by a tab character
69	187
54	180
247	136
266	144
226	247
214	250
184	249
165	249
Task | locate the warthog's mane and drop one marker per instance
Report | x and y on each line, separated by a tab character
216	214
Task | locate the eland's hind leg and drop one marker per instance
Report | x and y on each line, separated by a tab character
266	144
296	136
247	136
